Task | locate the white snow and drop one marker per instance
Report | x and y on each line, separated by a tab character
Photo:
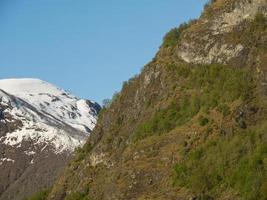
60	139
49	114
51	100
28	86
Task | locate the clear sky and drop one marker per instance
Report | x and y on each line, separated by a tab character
88	47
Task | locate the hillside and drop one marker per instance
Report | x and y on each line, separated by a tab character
192	125
40	126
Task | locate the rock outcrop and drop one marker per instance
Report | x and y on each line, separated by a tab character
208	39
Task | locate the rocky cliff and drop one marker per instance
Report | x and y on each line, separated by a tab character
222	35
192	124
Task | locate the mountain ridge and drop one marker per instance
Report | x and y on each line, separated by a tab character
41	125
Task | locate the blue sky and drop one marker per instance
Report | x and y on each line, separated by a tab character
88	47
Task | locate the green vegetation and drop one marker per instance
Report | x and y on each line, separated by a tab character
208	4
203	121
252	31
107	102
221	83
42	195
165	120
81	152
227	163
172	37
204	88
224	109
78	195
209	8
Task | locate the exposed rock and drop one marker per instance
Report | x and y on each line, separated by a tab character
204	42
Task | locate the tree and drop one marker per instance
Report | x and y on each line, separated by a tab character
106	103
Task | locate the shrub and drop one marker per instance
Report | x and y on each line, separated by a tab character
180	71
260	21
208	4
203	121
172	37
77	196
81	195
108	102
42	195
81	152
181	174
224	109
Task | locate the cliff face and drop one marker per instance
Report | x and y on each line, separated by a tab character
220	34
191	125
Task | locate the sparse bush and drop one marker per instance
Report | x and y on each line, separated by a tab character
203	121
107	102
224	109
260	20
208	4
180	71
78	195
172	37
81	152
42	195
181	173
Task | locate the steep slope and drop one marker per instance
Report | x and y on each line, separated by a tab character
41	125
192	125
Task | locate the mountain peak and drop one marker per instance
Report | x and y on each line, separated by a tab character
41	104
25	86
40	127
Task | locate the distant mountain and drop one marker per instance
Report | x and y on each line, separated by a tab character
40	126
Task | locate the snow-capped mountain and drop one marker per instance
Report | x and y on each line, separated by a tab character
47	114
40	124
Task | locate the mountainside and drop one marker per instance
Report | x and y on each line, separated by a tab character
40	126
192	125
